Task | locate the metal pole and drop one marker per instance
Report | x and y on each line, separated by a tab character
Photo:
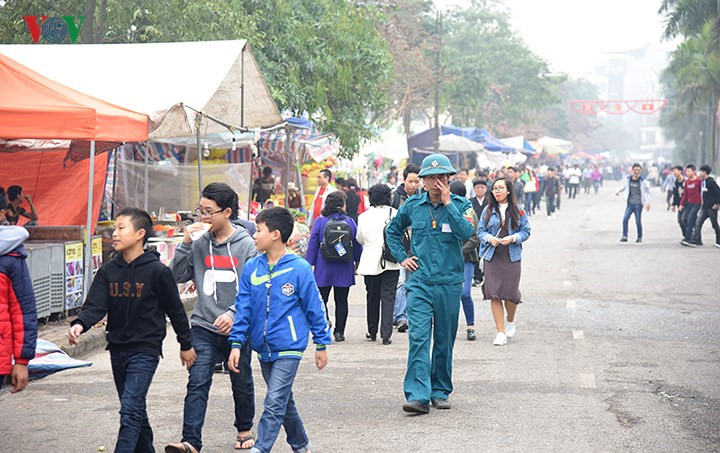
287	165
250	190
300	187
88	226
198	122
147	173
112	200
242	87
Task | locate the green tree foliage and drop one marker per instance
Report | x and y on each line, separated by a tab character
491	78
692	79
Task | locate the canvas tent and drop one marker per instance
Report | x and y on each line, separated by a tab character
220	78
35	107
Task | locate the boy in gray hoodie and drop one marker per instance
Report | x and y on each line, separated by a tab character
214	261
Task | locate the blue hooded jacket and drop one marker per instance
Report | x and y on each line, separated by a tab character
277	310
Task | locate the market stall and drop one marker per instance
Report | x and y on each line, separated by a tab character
33	107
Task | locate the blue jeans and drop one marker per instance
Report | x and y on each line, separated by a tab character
630	210
689	217
528	202
210	348
466	297
133	373
280	408
399	313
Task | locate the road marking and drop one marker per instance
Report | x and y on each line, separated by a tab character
578	335
587	381
567	283
571	304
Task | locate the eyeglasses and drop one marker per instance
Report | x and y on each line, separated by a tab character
498	189
200	213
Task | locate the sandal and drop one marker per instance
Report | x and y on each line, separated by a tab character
246	438
180	447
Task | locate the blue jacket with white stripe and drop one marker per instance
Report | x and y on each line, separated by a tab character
277	310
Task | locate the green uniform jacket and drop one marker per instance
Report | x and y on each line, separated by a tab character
439	249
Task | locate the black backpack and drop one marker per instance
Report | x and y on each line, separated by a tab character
387	256
337	243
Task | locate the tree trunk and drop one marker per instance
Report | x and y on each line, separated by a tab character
88	32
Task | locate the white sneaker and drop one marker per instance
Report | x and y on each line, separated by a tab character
549	217
510	329
500	339
554	216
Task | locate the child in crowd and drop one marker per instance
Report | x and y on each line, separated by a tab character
277	306
214	261
136	291
18	320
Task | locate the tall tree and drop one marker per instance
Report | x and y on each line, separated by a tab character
491	78
693	77
325	58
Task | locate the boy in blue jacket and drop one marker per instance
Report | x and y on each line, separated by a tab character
278	304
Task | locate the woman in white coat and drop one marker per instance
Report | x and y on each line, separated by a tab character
381	275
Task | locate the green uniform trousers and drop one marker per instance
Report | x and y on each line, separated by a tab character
432	312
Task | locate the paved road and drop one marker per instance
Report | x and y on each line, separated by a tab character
618	349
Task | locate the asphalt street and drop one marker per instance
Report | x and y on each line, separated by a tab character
617	350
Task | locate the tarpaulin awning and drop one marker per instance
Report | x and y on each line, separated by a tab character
456	144
35	107
519	144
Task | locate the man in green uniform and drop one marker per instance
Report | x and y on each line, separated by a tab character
440	223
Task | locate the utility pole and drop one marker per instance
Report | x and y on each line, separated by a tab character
438	75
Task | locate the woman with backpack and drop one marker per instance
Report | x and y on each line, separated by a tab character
502	230
334	252
377	264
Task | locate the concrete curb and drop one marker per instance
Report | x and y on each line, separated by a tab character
94	339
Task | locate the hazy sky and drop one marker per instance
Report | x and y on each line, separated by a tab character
572	34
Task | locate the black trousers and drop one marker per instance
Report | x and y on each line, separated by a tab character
703	215
341	305
381	290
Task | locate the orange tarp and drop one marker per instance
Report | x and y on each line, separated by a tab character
59	194
35	107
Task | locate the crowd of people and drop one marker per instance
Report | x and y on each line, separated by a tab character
420	247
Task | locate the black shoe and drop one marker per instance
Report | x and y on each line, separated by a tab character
471	335
402	326
339	337
371	337
639	241
416	407
387	341
441	404
623	239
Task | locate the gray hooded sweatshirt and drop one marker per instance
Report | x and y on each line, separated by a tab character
216	270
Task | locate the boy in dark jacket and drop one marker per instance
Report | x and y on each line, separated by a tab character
18	320
136	291
277	306
709	209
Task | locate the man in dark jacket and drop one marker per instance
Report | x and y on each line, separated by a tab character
677	194
709	210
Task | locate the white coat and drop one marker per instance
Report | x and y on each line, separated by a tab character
371	224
